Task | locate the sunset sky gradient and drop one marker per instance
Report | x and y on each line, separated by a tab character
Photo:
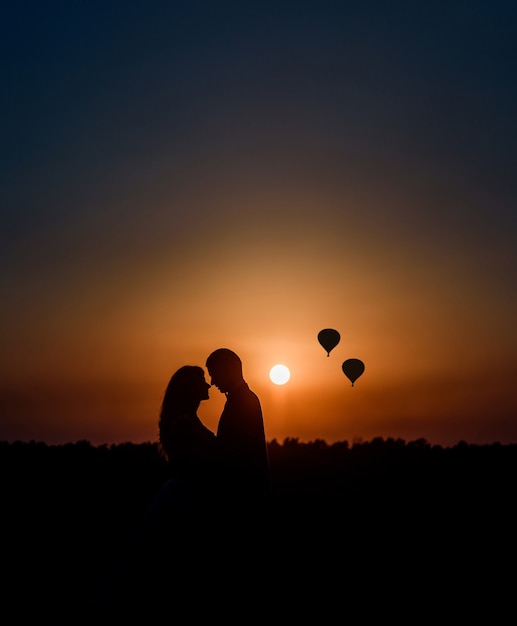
182	176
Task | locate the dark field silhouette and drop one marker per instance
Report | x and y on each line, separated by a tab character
405	520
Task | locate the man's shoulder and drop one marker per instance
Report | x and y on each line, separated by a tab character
244	391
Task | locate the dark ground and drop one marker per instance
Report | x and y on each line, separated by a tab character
402	526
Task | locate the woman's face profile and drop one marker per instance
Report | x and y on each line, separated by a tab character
204	386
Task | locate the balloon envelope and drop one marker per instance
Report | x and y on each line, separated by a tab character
328	338
353	368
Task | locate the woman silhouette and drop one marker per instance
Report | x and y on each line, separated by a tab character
184	441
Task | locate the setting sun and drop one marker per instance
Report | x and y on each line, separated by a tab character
279	374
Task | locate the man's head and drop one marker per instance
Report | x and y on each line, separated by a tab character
225	369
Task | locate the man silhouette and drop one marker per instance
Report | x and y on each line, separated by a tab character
241	439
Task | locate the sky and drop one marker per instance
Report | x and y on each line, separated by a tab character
182	176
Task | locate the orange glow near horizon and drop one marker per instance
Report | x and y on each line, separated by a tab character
391	399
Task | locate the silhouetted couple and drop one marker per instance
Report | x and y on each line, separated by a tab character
232	466
210	517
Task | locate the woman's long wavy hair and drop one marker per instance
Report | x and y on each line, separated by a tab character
181	397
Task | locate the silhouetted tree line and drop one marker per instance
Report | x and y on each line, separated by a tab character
112	473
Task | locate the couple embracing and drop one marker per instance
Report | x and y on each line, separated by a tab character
229	467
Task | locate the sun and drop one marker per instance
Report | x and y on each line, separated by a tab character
279	374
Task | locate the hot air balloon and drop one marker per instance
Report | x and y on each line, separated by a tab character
329	338
353	368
